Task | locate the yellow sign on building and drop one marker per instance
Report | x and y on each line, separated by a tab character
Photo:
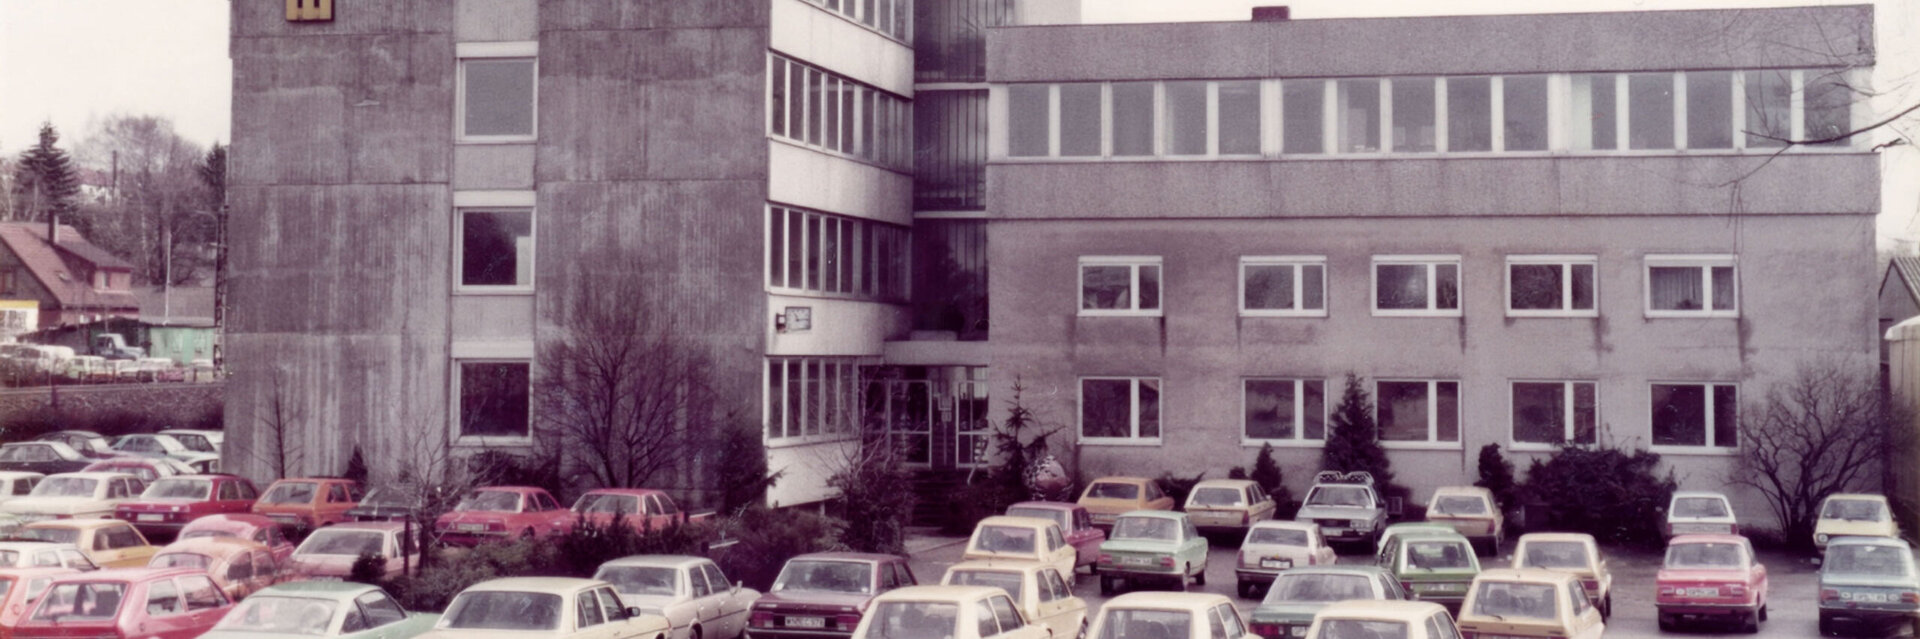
309	10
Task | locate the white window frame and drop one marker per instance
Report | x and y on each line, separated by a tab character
1133	412
1431	262
502	202
1566	264
1705	263
516	353
1298	262
1710	448
1133	262
799	414
1299	439
1567	431
464	51
1433	442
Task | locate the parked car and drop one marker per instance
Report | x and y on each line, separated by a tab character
75	496
825	594
114	346
173	603
17	483
1576	554
544	607
329	552
322	609
1297	594
1397	619
1434	566
1505	602
42	554
196	440
643	508
239	567
1107	497
147	469
203	464
1345	506
385	504
1272	547
1472	512
1027	538
18	586
1700	513
502	512
244	526
302	504
1711	577
87	369
690	592
1868	583
1075	522
1172	615
1228	505
1395	530
1041	592
151	445
169	503
1153	545
947	612
86	442
1853	515
46	458
108	543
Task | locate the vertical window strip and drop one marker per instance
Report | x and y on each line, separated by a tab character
832	113
833	255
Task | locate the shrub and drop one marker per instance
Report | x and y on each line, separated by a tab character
740	472
356	467
1496	475
1353	439
455	570
1179	487
589	544
499	468
367	568
1268	475
1611	494
764	539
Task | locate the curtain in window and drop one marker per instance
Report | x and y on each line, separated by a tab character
1676	288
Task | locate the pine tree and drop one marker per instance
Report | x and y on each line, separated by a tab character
1496	475
1353	440
45	180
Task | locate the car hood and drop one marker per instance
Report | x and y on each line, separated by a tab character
1137	545
54	505
814	598
1333	512
1286	612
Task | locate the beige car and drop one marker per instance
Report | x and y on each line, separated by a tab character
1576	554
1853	515
951	612
1107	497
238	566
1372	618
83	495
1472	511
1228	505
1024	538
1171	615
544	608
1040	591
1273	547
108	543
1529	603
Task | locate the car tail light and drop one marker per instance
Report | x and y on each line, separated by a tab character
1910	597
1106	558
1407	586
848	620
1668	591
1736	590
1166	562
1243	562
1590	584
1266	629
761	619
1246	518
1829	594
1733	529
497	526
63	516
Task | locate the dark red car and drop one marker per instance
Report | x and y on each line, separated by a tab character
643	508
824	595
168	603
169	503
502	512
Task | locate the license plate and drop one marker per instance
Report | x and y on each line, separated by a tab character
806	622
1333	532
149	517
470	527
1703	592
1277	564
1136	561
1297	631
1871	597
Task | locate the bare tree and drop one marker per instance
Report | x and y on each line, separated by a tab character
1827	429
157	215
276	443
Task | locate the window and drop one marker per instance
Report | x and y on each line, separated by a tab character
1288	410
1551	286
1554	413
1827	106
1304	106
832	255
835	114
163	598
811	396
1650	111
1120	410
1697	415
1413	115
1239	116
1692	286
1769	107
497	89
493	398
1283	286
1416	285
1080	119
1133	122
1028	117
887	17
1357	115
1524	108
1186	118
1119	286
496	249
1595	119
1709	109
1418	411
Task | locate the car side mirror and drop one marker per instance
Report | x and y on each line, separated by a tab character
633	611
737	585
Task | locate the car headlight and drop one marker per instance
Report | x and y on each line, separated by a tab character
1822	538
1362	524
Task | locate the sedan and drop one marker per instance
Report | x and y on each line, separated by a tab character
251	527
1529	603
1228	505
172	603
1153	544
238	566
75	496
1844	515
108	543
87	442
1107	497
170	503
1171	615
953	612
1868	583
147	469
322	609
329	553
1296	595
823	595
1397	619
1576	554
1075	522
42	554
18	483
545	607
1038	590
1024	538
690	592
146	445
1471	511
500	513
1694	512
1712	577
1275	546
46	458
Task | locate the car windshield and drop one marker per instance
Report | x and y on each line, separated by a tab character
1362	629
1008	581
1430	555
1459	505
299	492
174	488
195	443
21	453
1510	599
1148	528
343	542
66	487
829	576
1206	497
503	610
640	580
1338	496
384	497
81	600
1554	554
1014	539
1132	623
610	504
1853	510
280	615
1704	555
499	501
1318	588
1277	536
1052	514
1866	559
1113	490
913	620
180	560
55	535
1699	507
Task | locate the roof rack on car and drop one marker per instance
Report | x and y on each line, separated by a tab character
1337	477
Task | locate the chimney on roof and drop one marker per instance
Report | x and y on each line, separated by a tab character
1271	14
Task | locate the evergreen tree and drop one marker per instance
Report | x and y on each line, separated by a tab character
1353	440
45	180
1496	475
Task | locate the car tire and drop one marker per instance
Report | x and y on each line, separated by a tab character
1083	630
1106	586
1246	590
1826	625
1606	607
1201	578
1182	579
1763	616
1666	622
1750	622
694	633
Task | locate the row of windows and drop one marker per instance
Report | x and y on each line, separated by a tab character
889	17
812	396
1126	410
1690	110
826	111
1417	285
834	255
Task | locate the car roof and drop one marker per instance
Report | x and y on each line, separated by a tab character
129	574
939	593
664	561
1704	538
1284	524
337	590
1001	565
1381	610
213	544
1424	535
1867	496
1535	575
1557	536
637	492
56	445
1223	483
19	474
1158	600
1158	514
1474	491
1052	505
76	524
1334	569
1863	540
1012	521
1120	480
378	526
535	584
96	474
234	519
849	556
1698	493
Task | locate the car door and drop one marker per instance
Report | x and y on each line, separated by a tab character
669	512
163	611
131	546
730	602
1051	595
1760	581
1011	623
1263	505
1193	546
205	604
1059	553
1583	617
333	506
552	516
1236	625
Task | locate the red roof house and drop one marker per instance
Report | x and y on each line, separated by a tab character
74	281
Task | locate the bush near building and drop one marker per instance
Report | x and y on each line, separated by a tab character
1612	494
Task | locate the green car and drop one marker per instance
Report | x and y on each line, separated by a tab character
1868	583
1152	544
321	609
1435	566
1397	530
1298	593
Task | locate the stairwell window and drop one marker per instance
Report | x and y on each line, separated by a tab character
1120	286
497	91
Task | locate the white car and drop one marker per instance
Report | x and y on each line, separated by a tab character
544	607
199	441
1171	615
152	445
1696	512
1271	547
945	612
1039	590
76	496
17	483
42	554
690	592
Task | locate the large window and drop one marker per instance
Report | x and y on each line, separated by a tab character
1133	121
1524	111
1119	286
1419	411
1692	286
496	91
1285	410
828	112
493	399
811	396
1709	109
1551	286
1303	111
496	250
827	254
1554	413
1416	285
1697	415
892	18
1283	286
1594	101
1469	114
1120	410
1413	115
1357	116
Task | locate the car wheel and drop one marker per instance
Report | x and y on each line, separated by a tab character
1106	586
1245	589
1763	616
1201	579
527	534
1750	622
1606	607
1183	578
1494	545
1666	623
1826	625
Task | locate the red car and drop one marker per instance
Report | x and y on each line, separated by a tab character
254	528
1075	522
502	512
1712	577
170	502
824	595
166	603
19	586
643	508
